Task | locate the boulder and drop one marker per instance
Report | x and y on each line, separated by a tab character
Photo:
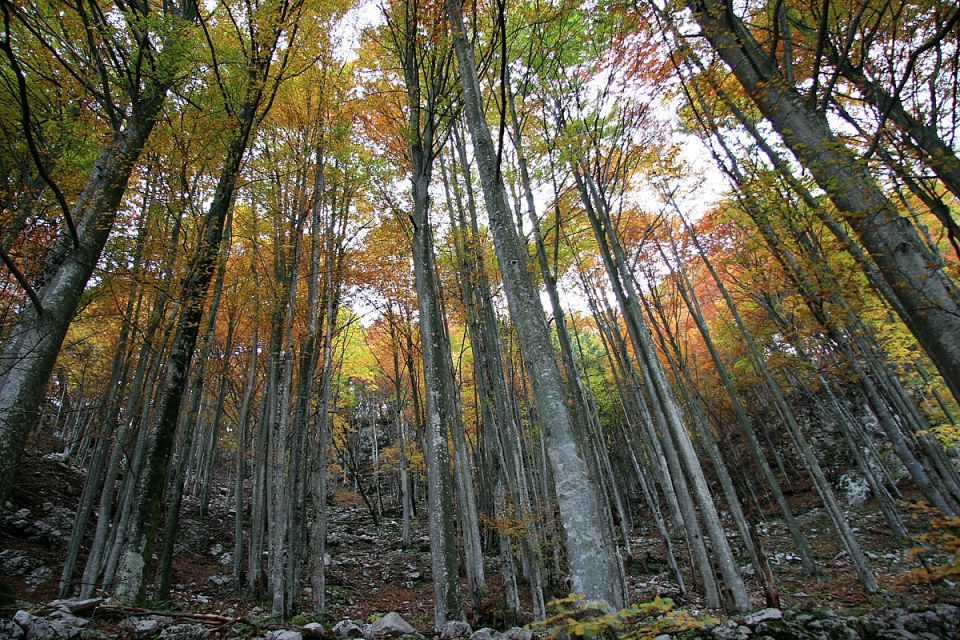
145	628
348	629
10	629
219	580
35	627
486	633
836	628
65	619
455	630
517	633
39	575
391	625
76	606
763	615
313	630
284	634
854	488
16	563
730	630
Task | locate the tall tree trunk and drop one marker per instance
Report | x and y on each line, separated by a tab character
193	296
243	444
595	565
664	402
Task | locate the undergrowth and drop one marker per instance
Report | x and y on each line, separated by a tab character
577	617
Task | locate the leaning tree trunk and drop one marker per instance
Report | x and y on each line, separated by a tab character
925	297
29	358
31	355
615	262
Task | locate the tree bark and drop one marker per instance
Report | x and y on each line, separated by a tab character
594	562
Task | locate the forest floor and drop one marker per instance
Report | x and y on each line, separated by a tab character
370	573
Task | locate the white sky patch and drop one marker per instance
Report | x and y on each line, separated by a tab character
363	14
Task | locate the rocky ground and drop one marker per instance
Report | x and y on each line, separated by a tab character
378	588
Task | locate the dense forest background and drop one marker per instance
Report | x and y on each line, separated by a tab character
529	277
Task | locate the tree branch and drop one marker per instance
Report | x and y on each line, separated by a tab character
22	280
27	131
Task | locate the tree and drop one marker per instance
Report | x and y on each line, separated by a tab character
130	96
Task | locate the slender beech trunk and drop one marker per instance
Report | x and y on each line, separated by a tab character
320	443
109	416
594	562
193	296
743	421
243	445
664	401
803	446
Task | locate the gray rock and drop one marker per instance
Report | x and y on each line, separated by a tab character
942	617
225	559
77	605
39	575
835	628
391	625
455	630
348	629
854	488
185	632
485	633
10	629
936	621
219	580
730	630
517	633
216	549
16	563
763	615
785	557
65	618
284	634
312	630
34	627
145	628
